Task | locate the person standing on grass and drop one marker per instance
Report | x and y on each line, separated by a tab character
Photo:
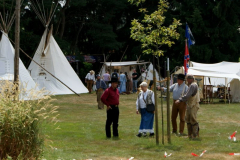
192	99
101	87
128	84
106	77
111	99
90	79
178	89
134	77
123	81
147	118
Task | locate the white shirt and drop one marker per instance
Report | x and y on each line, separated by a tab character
142	102
90	77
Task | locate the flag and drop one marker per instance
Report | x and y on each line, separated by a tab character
186	59
189	36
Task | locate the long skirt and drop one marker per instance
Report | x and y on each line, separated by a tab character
122	87
129	86
147	119
100	103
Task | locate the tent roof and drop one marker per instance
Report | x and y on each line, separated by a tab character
127	63
227	67
215	74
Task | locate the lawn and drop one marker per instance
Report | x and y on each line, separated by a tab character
81	135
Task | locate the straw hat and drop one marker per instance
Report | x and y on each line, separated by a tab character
92	72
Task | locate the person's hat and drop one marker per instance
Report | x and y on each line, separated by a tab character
114	78
181	76
98	75
190	76
92	72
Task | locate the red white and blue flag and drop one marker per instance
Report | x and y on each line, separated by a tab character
186	59
189	41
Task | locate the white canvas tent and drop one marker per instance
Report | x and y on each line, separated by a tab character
148	74
222	73
52	58
122	66
7	53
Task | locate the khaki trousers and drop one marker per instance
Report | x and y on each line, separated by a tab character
180	109
191	114
89	85
99	95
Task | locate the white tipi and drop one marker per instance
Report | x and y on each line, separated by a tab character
7	53
50	57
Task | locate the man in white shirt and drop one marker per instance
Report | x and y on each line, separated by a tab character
90	79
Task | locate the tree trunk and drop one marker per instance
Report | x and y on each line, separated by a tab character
63	19
76	40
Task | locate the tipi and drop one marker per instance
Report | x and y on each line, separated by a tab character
50	56
7	53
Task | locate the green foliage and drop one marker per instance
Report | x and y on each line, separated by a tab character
151	31
21	122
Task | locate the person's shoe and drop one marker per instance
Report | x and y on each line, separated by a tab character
139	135
151	135
174	133
182	134
144	134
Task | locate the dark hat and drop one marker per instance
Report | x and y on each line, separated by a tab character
181	77
114	78
98	75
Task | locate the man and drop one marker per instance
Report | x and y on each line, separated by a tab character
106	77
134	77
111	99
89	79
192	99
101	87
178	89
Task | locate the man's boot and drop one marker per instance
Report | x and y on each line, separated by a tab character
189	126
195	130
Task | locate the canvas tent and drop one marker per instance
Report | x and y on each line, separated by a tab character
222	73
121	66
7	53
50	57
148	74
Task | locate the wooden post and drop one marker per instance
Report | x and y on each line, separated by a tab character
159	72
156	106
17	44
168	103
225	95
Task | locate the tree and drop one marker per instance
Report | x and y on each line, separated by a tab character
151	32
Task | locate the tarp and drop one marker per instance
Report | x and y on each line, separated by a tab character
57	64
7	53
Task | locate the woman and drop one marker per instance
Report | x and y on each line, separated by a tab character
123	81
145	97
129	84
106	77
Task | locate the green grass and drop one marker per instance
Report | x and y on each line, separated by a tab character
82	134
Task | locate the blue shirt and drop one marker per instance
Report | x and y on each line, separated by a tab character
177	90
101	84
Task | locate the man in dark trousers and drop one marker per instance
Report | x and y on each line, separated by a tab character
111	99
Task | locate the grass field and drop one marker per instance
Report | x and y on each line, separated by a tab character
82	134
